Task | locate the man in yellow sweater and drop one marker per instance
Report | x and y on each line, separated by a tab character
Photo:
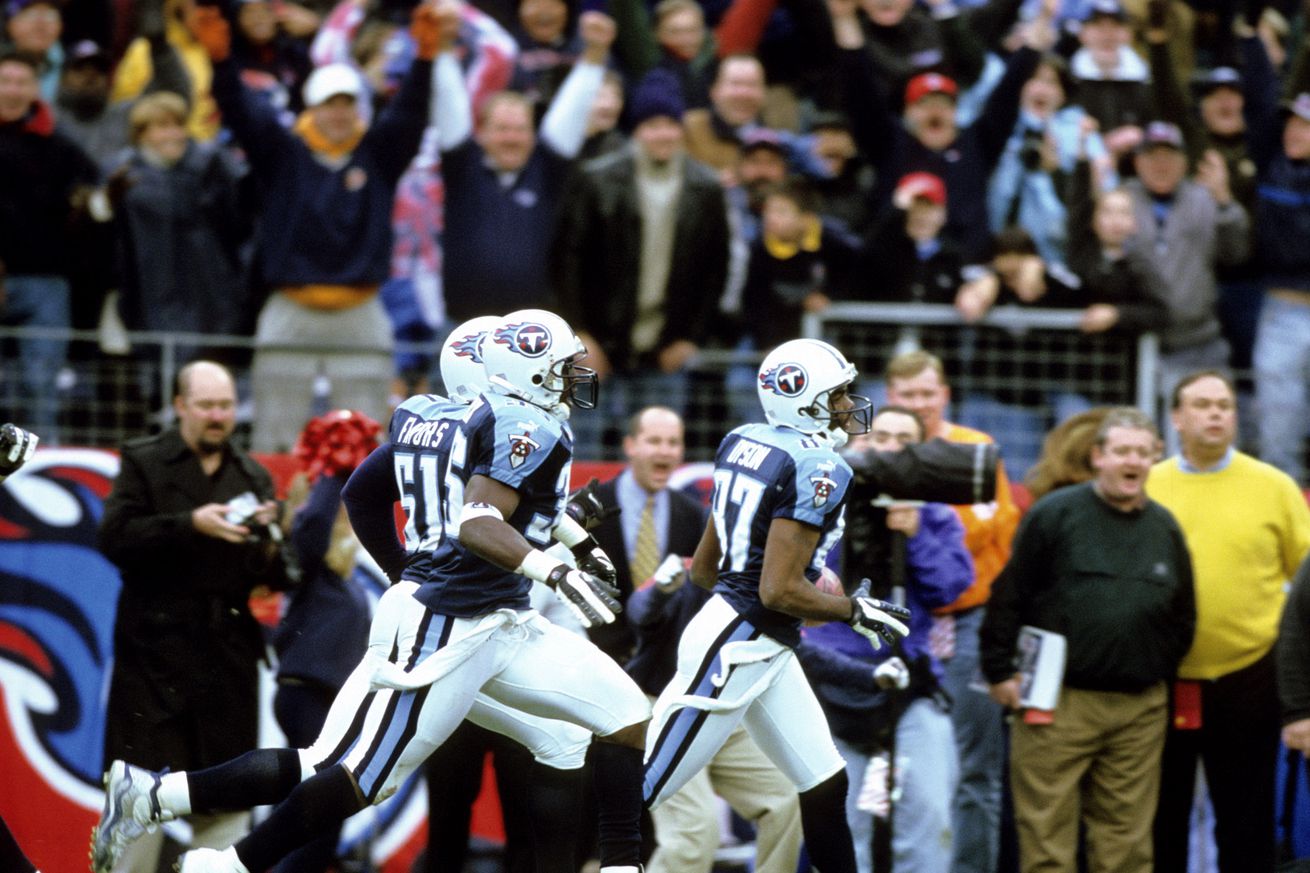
1247	527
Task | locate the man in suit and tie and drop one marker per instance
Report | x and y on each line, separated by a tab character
655	520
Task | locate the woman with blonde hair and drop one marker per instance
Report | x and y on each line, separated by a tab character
1066	454
181	227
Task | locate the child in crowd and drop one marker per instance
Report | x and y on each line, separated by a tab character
799	264
906	252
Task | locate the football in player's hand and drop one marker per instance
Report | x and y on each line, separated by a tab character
829	583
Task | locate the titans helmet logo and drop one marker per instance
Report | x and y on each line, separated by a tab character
468	346
525	338
789	380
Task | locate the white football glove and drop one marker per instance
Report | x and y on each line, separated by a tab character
593	601
880	621
892	673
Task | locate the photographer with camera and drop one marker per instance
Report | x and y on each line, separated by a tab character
1031	183
190	523
890	700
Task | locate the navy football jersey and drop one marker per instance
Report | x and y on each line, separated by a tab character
423	432
761	473
521	446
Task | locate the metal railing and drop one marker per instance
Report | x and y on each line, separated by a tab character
1015	373
1019	358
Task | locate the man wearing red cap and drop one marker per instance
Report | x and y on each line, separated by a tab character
927	138
906	251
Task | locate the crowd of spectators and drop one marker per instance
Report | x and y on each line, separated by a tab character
330	181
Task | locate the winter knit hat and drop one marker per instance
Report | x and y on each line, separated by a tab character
658	93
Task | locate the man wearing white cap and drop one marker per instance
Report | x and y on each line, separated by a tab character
325	242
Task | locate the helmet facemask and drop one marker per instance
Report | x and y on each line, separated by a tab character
578	386
841	424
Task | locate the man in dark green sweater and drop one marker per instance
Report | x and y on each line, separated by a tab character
1107	568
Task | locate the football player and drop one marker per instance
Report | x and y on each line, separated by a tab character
458	625
16	448
779	491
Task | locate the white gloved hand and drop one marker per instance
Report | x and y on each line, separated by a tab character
594	601
892	673
879	621
670	575
591	558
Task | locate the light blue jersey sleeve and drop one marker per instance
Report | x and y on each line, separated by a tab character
816	489
523	443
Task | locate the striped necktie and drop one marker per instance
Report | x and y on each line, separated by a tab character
646	554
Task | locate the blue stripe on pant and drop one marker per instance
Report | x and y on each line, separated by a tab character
680	731
400	722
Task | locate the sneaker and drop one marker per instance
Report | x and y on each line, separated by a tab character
131	809
210	861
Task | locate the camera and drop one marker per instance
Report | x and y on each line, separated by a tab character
935	471
242	508
1030	151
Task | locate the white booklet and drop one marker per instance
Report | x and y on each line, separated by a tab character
1041	664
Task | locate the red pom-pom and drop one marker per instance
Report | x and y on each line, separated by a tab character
336	442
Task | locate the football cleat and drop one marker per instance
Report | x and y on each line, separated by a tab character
131	809
210	861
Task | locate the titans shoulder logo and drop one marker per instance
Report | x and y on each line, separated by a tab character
823	488
525	338
789	380
824	484
521	446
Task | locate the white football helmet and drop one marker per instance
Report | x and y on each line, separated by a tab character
531	355
797	380
461	359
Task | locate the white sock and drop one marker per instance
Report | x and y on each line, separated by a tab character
175	794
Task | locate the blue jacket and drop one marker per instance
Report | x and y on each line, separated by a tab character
325	223
1280	224
324	632
839	662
